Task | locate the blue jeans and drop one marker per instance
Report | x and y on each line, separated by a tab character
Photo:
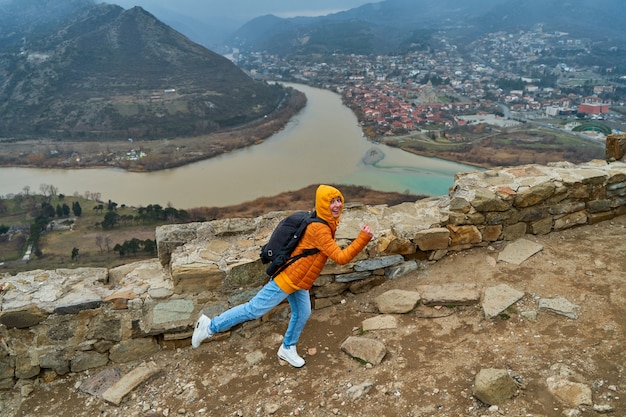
269	297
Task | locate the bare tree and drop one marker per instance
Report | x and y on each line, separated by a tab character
99	242
48	190
107	243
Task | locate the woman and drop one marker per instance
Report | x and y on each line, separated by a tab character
295	280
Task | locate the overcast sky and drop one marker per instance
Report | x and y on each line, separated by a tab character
245	9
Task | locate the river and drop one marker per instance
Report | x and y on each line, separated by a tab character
322	144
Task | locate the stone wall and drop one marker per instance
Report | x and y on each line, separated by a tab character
71	320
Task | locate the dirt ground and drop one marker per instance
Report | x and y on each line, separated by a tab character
433	355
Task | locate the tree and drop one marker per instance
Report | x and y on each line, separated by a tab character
48	190
149	245
77	209
66	210
133	245
59	210
74	253
119	249
99	242
47	210
110	220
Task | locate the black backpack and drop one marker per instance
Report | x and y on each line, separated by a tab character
277	251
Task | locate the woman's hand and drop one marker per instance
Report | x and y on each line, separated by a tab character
367	230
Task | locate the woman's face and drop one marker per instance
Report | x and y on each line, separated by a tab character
335	207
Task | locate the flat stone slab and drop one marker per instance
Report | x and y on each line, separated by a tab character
98	384
397	301
449	294
380	323
559	305
518	251
499	298
116	393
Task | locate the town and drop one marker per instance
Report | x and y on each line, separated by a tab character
502	74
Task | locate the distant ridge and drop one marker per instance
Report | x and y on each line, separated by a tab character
399	26
76	69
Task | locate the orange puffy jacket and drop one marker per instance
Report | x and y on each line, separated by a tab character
303	273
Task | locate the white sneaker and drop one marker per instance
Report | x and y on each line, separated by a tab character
291	356
201	332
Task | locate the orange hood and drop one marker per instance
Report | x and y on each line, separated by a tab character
323	196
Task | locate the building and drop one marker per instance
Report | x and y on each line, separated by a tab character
593	108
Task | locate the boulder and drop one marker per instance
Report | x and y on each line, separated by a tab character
494	386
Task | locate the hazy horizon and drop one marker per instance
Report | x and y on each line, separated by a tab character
243	10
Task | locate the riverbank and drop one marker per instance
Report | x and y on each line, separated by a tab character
506	146
147	155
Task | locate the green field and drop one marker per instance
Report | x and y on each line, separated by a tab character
74	241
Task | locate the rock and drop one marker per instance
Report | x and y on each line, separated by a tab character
486	200
331	290
364	349
518	251
353	276
559	305
22	318
378	263
397	271
166	314
603	408
129	382
380	323
494	386
514	231
26	390
98	384
462	235
133	349
492	233
397	301
195	276
87	360
572	394
499	298
53	359
271	408
357	391
449	294
432	239
534	195
119	300
571	220
366	285
615	146
254	358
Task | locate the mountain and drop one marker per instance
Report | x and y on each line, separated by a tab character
398	26
76	69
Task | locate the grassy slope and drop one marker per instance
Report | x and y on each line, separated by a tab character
57	246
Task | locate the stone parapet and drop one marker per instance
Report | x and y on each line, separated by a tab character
616	147
72	320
